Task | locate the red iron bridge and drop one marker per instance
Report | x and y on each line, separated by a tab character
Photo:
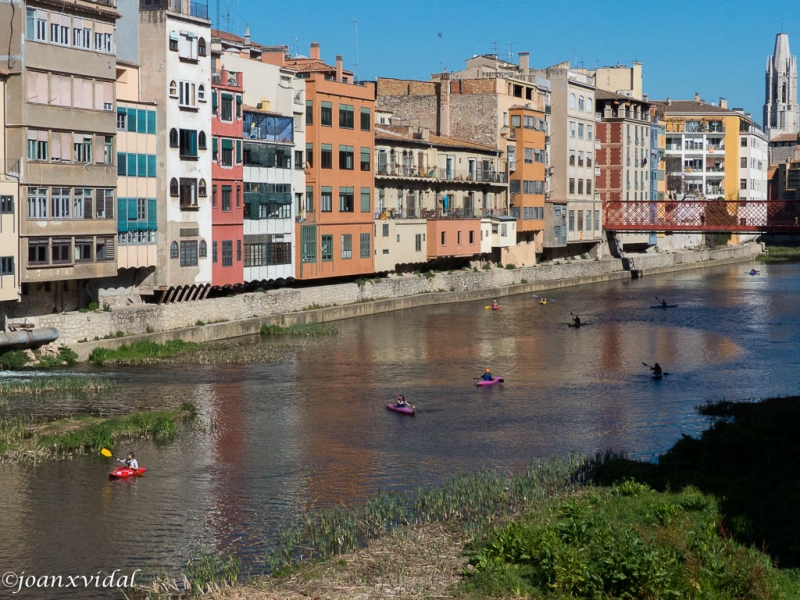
703	216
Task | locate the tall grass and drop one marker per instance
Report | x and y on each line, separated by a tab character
312	329
14	430
780	254
140	351
62	384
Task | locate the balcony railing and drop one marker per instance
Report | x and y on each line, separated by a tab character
477	176
429	213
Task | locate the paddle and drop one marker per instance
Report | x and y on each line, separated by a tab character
648	366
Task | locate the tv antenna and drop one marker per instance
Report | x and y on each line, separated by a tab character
495	47
511	51
441	55
358	60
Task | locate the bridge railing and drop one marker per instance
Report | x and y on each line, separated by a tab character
702	215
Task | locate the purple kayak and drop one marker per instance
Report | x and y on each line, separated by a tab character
404	410
492	382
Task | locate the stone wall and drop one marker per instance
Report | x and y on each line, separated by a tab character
454	286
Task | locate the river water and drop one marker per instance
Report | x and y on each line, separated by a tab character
313	431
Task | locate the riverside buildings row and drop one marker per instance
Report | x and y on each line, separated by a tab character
149	157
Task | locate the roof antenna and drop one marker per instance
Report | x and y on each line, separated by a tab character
358	61
441	55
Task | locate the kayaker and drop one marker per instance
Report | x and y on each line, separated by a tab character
576	320
131	461
401	400
487	376
494	305
664	303
543	301
656	369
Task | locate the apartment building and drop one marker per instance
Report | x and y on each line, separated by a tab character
173	48
137	178
227	169
60	143
528	172
9	222
274	131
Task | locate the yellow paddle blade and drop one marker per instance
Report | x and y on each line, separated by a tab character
486	308
105	452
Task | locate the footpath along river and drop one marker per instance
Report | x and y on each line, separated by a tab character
313	431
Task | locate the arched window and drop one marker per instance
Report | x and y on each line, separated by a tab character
580	102
203	251
201	47
173	138
572	100
589	104
173	89
173	250
201	93
173	187
201	188
201	140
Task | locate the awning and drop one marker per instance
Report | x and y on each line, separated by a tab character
173	36
227	144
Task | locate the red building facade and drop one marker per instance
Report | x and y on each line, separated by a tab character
227	200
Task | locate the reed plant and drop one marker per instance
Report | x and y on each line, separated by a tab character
59	384
299	329
141	351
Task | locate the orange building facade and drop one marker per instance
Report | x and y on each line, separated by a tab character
336	226
527	177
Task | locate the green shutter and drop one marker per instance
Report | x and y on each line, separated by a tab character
122	163
151	122
132	120
132	212
365	200
122	215
152	214
151	165
131	165
141	121
215	145
227	96
227	144
214	100
238	151
238	98
142	165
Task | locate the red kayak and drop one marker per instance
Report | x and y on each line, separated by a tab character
121	472
403	410
490	382
495	308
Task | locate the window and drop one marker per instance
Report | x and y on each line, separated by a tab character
60	203
173	187
588	186
515	121
309	198
515	186
743	184
104	37
122	119
187	97
108	150
62	250
226	107
37	145
588	220
346	158
227	253
572	220
589	132
529	156
188	193
572	129
188	253
326	199
365	159
226	198
173	46
187	46
580	186
365	200
538	155
326	157
327	248
580	220
309	112
366	119
227	153
346	200
7	265
346	119
385	230
744	142
472	235
104	203
458	237
418	242
744	162
37	25
298	159
572	158
365	246
326	114
38	251
214	252
571	185
82	149
7	205
580	130
572	101
347	246
37	203
188	143
201	47
308	239
59	29
596	220
444	238
580	103
173	89
173	250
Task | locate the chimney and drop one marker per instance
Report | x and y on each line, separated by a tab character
644	97
524	62
247	35
668	101
314	51
723	103
339	67
444	105
697	97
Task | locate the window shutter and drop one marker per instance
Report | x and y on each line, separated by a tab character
152	214
122	163
122	215
214	100
151	165
227	144
215	145
132	213
151	121
238	151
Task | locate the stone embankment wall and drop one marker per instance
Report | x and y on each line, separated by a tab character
244	314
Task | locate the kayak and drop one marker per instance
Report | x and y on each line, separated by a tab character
495	308
576	325
667	306
121	472
483	382
403	410
752	272
657	376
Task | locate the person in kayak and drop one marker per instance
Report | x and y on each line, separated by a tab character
130	461
576	320
656	369
495	305
487	376
664	302
401	400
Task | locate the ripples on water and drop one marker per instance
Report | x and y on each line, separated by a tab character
313	431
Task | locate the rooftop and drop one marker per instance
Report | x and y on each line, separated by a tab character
785	137
408	134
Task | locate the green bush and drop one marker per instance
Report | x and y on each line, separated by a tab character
67	355
13	359
106	307
487	266
199	323
511	266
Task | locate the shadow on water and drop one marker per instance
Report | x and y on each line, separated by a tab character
749	458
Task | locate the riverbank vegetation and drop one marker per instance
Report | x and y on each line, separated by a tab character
715	518
780	254
39	358
181	352
299	329
25	438
59	384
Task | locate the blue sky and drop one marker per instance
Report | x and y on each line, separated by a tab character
716	48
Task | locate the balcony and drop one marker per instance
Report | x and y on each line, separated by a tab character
476	176
226	78
111	3
184	7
